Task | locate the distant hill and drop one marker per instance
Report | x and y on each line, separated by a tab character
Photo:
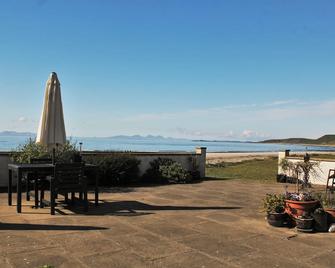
14	133
324	140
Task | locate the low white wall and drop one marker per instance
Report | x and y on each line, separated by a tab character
189	161
322	173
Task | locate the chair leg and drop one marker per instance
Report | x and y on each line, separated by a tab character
80	196
52	199
42	198
36	193
85	201
28	190
66	198
72	198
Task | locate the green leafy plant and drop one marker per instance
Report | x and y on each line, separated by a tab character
115	169
24	152
326	200
274	203
175	173
166	170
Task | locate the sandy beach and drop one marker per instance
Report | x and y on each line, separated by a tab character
213	158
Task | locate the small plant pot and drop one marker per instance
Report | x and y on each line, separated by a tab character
299	208
277	219
304	225
320	221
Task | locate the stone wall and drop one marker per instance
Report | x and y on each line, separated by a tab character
189	161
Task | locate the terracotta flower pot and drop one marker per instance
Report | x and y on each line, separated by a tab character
331	214
298	208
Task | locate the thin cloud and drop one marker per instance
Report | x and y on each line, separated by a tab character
243	121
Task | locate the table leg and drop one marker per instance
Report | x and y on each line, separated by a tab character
19	191
10	174
36	192
96	190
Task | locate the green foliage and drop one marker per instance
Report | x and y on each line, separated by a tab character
174	173
165	170
67	153
274	203
153	174
24	152
115	169
326	200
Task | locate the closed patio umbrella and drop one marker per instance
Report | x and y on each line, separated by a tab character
51	130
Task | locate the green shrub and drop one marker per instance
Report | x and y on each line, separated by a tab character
175	173
165	170
24	152
274	203
115	169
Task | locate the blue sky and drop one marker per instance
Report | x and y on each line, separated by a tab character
195	69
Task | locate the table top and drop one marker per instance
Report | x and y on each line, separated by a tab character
39	166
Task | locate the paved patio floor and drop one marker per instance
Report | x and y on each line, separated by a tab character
207	224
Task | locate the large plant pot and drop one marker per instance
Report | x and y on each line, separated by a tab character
331	214
277	219
298	208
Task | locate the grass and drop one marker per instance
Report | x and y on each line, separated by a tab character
256	170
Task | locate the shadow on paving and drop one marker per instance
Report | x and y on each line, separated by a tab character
136	208
47	227
219	178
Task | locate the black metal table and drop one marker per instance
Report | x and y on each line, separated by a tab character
20	169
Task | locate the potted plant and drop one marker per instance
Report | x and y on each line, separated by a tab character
274	205
296	204
304	222
301	201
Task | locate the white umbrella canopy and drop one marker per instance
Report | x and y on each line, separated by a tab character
51	130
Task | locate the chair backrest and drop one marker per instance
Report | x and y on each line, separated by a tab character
69	176
40	160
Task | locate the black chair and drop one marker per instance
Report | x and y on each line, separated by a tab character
35	178
68	178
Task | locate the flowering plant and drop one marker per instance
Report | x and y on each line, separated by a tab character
304	196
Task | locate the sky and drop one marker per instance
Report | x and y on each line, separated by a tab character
230	70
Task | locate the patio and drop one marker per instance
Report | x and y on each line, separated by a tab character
207	224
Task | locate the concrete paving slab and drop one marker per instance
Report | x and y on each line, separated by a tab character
207	224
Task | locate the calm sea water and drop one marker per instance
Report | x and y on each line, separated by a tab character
8	143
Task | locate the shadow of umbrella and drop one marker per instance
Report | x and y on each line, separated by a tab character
136	208
47	227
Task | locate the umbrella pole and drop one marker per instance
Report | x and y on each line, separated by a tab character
53	155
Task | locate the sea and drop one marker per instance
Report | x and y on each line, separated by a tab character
160	144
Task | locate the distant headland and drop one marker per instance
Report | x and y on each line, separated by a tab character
324	140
